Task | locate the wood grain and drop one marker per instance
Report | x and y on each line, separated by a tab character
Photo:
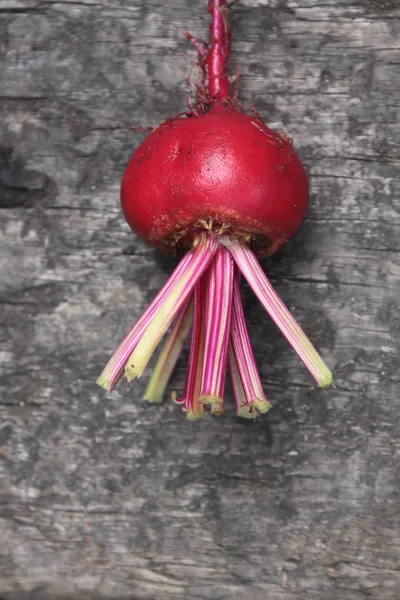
102	495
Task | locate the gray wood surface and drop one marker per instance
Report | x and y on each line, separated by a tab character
103	495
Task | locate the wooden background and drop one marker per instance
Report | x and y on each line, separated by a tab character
102	495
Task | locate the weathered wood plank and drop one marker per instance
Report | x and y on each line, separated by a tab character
99	492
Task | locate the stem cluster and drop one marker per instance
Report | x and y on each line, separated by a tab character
203	295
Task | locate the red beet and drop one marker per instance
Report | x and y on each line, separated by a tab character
217	186
224	167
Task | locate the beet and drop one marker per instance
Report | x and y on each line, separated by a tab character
224	167
216	187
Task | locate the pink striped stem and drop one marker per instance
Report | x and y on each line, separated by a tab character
136	348
254	398
242	409
190	399
169	354
115	367
218	302
258	281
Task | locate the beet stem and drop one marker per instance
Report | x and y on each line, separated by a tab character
218	55
171	306
258	281
219	286
169	354
243	409
243	354
115	366
159	314
190	399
